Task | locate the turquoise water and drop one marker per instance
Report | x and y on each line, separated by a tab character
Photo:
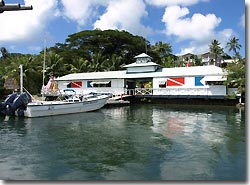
137	142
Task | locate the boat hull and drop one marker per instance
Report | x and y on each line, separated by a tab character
40	109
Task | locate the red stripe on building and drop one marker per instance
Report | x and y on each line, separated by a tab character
76	84
175	81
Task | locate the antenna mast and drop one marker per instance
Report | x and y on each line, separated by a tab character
21	78
44	58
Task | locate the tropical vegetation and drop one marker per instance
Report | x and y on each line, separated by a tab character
96	50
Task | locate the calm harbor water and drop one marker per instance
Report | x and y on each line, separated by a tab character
137	142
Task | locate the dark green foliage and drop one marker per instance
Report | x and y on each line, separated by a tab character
1	88
86	44
4	53
236	76
96	50
216	51
85	51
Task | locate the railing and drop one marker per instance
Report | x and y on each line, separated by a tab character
139	91
203	91
143	91
192	91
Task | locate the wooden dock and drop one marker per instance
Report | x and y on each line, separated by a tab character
117	102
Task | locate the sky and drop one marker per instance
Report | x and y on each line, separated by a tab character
188	26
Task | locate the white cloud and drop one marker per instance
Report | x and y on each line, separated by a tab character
197	27
27	25
224	36
81	11
199	47
242	21
24	27
163	3
194	49
124	15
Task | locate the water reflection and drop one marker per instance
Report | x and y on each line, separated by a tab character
137	142
204	142
103	148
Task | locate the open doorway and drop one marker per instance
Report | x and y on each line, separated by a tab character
140	83
144	83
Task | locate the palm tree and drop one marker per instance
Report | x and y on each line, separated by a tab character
30	74
168	61
162	49
54	64
216	51
4	53
237	74
196	60
97	62
233	45
78	65
112	64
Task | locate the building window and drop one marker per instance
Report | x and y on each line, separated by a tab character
215	83
162	84
98	84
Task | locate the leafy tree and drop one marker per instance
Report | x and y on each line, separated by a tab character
87	43
196	60
4	53
78	65
226	56
32	67
162	54
162	49
216	51
168	61
97	62
233	45
54	64
236	74
1	88
96	50
113	64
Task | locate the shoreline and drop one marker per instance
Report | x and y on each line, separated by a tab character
185	101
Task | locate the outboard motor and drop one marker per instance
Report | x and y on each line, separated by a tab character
20	112
7	103
10	98
20	102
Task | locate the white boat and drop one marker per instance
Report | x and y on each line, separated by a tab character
21	105
51	108
24	105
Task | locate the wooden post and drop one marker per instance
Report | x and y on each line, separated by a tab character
21	78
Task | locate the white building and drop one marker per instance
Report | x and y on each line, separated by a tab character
145	77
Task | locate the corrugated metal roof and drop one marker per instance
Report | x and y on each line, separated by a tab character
166	72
